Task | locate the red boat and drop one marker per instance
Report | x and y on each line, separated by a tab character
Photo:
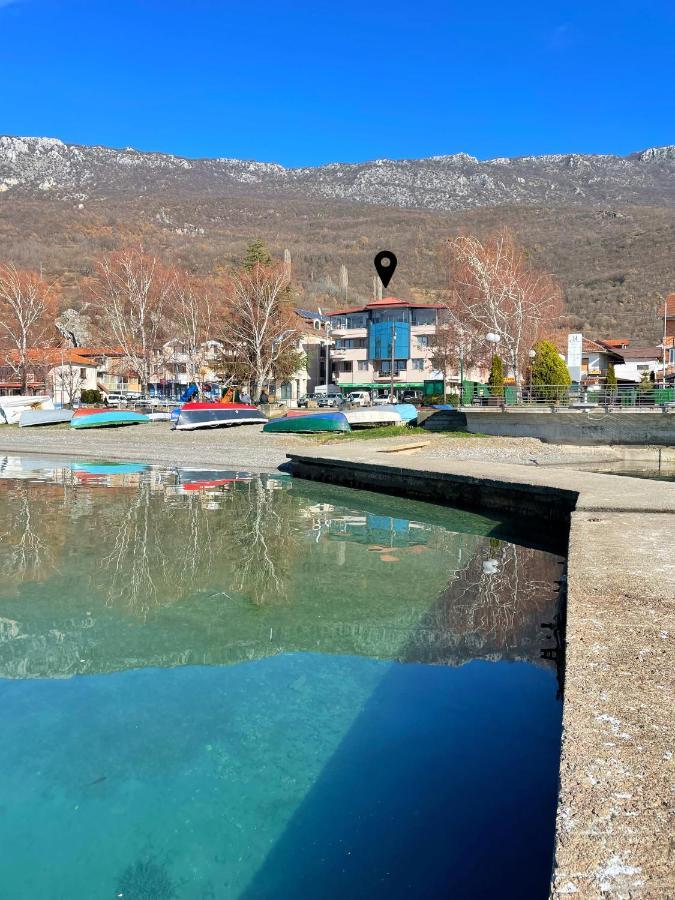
217	415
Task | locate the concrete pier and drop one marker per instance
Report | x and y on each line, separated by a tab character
614	821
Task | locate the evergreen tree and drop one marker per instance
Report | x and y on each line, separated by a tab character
496	379
612	384
257	254
646	384
549	375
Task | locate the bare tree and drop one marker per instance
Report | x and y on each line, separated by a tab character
259	325
493	289
131	289
27	310
455	348
192	302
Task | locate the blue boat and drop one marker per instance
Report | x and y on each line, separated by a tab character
106	418
111	468
406	411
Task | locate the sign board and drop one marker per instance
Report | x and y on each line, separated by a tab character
574	344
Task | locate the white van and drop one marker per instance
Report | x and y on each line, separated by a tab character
359	398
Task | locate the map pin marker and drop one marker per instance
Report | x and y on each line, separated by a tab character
385	263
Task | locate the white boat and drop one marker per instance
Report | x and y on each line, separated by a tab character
372	416
12	407
159	416
44	417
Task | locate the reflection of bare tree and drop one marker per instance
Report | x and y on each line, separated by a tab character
494	605
28	545
266	542
160	549
133	556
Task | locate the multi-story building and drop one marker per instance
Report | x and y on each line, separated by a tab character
369	341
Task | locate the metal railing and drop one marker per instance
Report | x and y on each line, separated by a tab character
620	397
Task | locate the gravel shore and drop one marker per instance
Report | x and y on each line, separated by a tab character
247	448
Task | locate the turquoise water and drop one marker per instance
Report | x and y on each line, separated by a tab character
230	685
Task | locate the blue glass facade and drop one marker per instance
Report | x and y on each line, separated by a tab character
381	337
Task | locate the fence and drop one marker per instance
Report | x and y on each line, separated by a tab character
574	397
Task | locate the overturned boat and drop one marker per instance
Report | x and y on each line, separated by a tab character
203	414
106	418
12	407
308	424
31	417
372	417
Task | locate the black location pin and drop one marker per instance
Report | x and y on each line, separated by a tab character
385	264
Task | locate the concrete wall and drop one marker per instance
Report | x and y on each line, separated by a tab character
576	426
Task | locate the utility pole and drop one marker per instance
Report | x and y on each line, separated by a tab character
327	357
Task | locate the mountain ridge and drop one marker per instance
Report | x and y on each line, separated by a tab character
34	166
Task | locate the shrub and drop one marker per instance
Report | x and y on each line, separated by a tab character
549	376
91	396
496	379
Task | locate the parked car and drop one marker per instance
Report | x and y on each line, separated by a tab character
115	399
332	400
412	396
359	398
304	400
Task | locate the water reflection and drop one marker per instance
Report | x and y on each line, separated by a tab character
110	566
289	690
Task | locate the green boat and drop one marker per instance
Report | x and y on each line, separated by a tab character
106	418
311	423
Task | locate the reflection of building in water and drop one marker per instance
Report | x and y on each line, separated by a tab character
366	528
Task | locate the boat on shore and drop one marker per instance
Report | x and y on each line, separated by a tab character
106	418
308	424
203	414
407	411
372	417
31	417
12	407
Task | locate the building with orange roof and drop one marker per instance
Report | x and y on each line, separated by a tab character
388	333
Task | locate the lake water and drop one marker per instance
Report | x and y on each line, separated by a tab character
223	685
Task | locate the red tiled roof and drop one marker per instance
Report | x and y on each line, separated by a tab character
49	356
668	308
587	345
100	351
386	301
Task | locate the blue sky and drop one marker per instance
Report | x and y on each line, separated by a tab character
303	83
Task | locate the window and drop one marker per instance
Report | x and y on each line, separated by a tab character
83	373
390	315
350	344
418	364
363	365
353	320
422	340
400	365
424	317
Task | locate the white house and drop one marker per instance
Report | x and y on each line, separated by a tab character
637	361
